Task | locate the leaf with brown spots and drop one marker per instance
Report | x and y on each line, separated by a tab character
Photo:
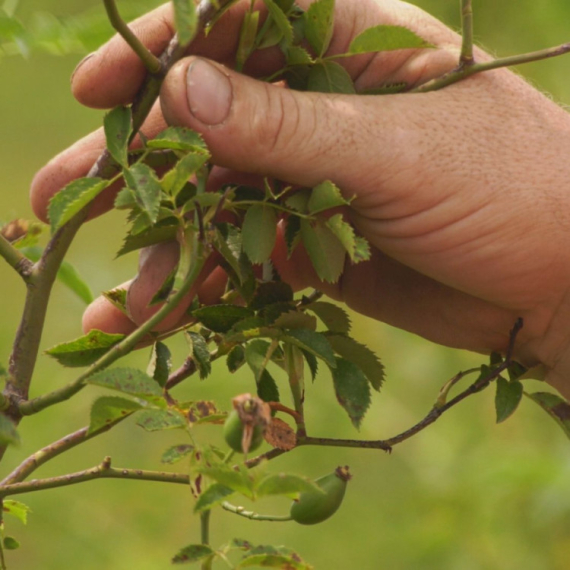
555	406
280	434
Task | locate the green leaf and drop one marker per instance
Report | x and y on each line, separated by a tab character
286	484
352	390
200	353
84	350
194	553
334	318
344	233
386	38
325	196
259	231
118	298
157	420
299	201
177	452
179	138
177	177
67	275
129	381
156	234
296	55
360	355
212	496
108	410
507	398
247	36
313	342
555	406
236	358
10	543
295	319
118	128
361	251
221	318
185	20
16	509
326	252
267	388
256	356
288	561
271	292
280	20
292	233
319	25
312	363
330	77
160	363
240	481
73	198
142	180
8	433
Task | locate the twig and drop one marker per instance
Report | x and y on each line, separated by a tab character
150	61
461	73
15	258
466	58
205	536
236	510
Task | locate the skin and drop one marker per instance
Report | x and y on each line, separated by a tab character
461	192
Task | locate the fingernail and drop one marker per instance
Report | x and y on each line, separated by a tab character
89	56
209	93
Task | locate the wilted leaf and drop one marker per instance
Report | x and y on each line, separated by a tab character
176	453
313	342
352	390
319	24
73	198
185	20
118	298
118	127
157	420
286	484
212	496
555	406
129	381
16	509
259	231
179	138
326	252
280	434
142	180
507	398
205	411
221	318
330	77
385	38
334	318
283	561
8	433
360	355
108	409
160	363
194	553
85	350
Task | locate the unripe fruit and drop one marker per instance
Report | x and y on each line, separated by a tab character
314	507
233	433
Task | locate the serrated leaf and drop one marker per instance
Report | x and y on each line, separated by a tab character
10	543
256	356
313	342
73	198
236	358
295	320
288	561
129	381
204	411
360	355
271	292
361	250
185	20
16	509
247	36
319	25
326	252
267	388
286	484
507	398
108	409
200	353
296	55
194	553
259	231
221	318
67	275
179	138
157	420
280	20
292	233
212	496
324	197
160	363
299	201
386	38
177	177
142	180
344	233
118	298
334	318
330	77
240	481
84	350
555	406
175	453
312	363
352	390
156	234
8	433
118	127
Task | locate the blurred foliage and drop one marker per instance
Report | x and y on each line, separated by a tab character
463	494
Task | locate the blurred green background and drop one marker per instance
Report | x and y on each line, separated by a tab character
464	494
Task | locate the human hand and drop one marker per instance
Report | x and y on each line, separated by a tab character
444	182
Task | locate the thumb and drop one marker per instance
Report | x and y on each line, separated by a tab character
252	126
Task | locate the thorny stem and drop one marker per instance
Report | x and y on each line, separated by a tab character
150	61
15	258
461	73
466	59
251	515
